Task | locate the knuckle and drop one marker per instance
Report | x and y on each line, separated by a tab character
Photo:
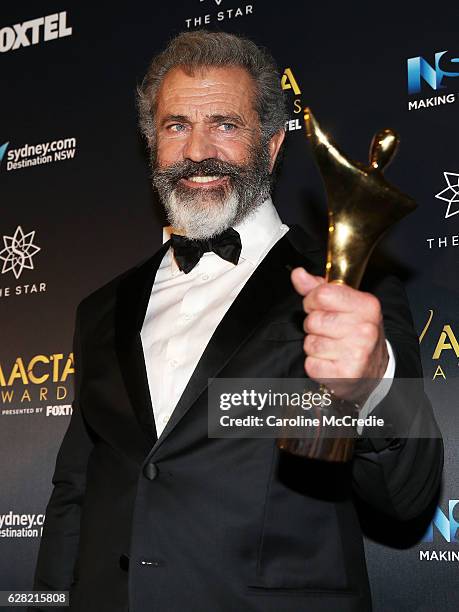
308	367
312	367
359	354
324	293
312	322
348	370
311	343
368	332
373	305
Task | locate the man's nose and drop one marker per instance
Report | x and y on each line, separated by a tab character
199	146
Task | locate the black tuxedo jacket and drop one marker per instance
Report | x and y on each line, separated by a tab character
187	523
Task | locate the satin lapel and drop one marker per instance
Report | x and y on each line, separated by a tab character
132	302
268	283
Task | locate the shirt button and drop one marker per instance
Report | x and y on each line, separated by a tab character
187	317
166	418
173	363
204	277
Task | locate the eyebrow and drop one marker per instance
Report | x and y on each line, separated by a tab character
233	118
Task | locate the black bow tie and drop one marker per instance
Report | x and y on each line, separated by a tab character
188	252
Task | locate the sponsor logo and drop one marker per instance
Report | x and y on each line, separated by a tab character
3	149
15	257
438	555
445	345
445	525
451	240
34	31
290	84
218	14
14	525
422	75
49	411
420	70
44	379
450	194
39	154
18	252
60	410
443	528
430	102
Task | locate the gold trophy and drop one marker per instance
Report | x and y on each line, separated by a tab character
362	205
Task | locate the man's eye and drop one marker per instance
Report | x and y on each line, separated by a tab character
227	127
176	127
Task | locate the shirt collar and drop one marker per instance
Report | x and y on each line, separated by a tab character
257	232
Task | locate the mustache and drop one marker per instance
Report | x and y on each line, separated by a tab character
207	167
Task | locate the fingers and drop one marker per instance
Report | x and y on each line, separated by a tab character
320	370
304	282
344	331
342	349
340	325
321	347
341	298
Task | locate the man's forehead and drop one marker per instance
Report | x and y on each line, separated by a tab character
218	74
226	84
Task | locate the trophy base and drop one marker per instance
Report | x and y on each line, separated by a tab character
339	450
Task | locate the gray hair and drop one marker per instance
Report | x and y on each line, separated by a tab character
201	48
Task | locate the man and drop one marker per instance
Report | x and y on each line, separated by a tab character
147	512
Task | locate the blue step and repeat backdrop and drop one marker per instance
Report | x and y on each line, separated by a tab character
77	209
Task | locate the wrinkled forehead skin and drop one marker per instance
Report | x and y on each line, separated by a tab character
206	92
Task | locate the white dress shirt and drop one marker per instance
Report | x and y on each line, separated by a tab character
185	309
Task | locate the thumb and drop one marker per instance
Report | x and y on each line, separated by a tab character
303	282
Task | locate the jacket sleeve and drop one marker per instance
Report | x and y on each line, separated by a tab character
400	476
57	557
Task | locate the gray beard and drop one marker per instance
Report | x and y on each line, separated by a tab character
201	220
206	217
203	213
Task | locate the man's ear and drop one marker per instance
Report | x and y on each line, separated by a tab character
274	147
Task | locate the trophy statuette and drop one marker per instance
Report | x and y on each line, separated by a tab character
362	205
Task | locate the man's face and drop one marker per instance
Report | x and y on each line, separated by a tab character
211	165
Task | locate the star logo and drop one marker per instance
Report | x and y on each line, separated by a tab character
18	252
451	193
